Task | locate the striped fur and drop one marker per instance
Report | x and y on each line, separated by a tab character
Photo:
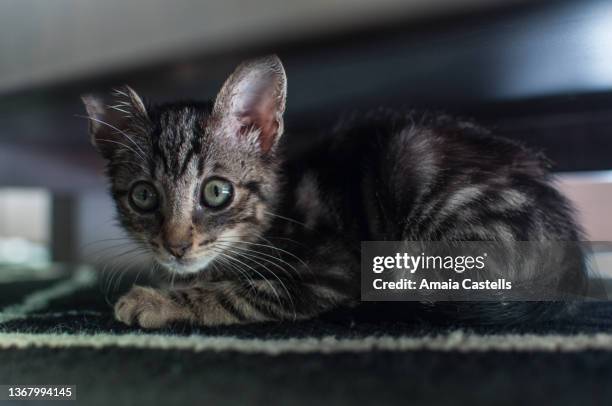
288	245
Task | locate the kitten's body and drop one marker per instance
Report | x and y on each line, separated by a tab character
410	176
288	246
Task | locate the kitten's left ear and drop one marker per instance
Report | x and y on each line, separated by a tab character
253	99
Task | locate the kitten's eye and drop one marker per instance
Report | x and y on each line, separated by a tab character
144	197
217	193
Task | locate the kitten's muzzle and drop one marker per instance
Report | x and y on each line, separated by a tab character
178	250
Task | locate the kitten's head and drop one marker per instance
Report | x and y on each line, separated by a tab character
193	182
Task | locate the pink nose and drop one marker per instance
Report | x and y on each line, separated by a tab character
178	249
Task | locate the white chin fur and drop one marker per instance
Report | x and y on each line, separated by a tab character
190	268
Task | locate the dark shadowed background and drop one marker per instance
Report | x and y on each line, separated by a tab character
537	71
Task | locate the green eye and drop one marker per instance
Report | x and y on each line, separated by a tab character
144	197
217	193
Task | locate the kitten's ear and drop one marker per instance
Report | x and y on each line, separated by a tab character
108	123
252	99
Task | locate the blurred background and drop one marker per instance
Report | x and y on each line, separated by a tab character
536	71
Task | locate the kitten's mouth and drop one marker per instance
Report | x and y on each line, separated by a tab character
188	265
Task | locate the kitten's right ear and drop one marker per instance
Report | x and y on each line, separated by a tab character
100	129
108	124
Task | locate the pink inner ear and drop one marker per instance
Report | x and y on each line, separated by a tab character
268	135
253	98
261	114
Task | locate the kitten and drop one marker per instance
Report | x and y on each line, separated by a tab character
267	234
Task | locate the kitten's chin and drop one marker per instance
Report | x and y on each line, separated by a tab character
187	266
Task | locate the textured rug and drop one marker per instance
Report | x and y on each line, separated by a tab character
59	329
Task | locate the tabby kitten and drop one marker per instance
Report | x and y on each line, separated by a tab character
264	234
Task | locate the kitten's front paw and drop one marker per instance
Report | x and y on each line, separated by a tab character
145	307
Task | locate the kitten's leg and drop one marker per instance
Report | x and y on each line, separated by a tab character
148	308
234	302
